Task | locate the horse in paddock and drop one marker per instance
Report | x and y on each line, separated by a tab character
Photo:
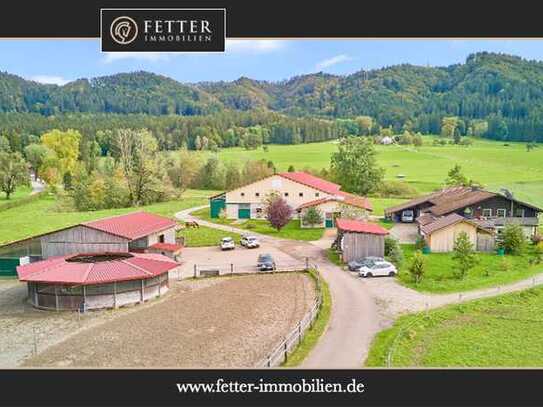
192	224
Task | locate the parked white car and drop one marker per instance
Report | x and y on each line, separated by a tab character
408	216
378	268
250	242
227	243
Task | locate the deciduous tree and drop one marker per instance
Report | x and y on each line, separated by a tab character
13	172
312	216
354	165
278	212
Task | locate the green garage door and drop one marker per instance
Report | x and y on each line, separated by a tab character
8	266
244	211
329	221
216	206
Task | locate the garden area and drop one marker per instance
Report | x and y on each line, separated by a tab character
490	270
505	331
43	215
465	269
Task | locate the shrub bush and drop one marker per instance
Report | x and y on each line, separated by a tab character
393	251
396	189
512	239
417	268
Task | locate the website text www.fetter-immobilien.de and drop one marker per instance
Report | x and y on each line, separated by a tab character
262	386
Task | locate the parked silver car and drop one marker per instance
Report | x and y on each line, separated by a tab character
354	265
250	242
227	243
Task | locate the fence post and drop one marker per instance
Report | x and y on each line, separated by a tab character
195	271
299	332
269	361
306	263
231	268
35	342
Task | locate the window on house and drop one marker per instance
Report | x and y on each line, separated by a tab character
301	194
316	194
243	194
161	238
257	193
258	210
487	212
519	212
501	213
286	193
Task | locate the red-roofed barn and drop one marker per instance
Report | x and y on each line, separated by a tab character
133	232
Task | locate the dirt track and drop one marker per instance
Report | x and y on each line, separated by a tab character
221	322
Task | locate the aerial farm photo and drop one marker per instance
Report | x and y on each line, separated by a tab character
287	203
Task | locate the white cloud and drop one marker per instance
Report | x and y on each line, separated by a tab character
254	46
54	80
338	59
137	56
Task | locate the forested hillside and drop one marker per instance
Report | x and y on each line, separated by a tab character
493	95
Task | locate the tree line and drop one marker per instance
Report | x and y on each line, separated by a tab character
493	95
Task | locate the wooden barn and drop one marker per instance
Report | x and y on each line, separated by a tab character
357	239
133	232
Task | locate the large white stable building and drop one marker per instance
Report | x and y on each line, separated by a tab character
299	189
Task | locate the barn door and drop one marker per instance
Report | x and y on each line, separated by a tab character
485	242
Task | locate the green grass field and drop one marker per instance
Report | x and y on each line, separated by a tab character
204	236
21	192
489	272
426	167
505	331
291	231
41	216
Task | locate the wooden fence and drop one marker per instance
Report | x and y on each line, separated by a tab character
224	269
281	351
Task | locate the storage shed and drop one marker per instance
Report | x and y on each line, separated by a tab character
358	239
94	281
441	233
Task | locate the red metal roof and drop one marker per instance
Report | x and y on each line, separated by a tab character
167	247
358	226
311	181
63	270
345	197
133	225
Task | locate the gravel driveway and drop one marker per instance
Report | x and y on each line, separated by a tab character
405	232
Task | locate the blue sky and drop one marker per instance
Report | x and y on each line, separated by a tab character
58	61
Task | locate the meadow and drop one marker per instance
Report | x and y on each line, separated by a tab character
505	331
492	163
491	270
43	215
